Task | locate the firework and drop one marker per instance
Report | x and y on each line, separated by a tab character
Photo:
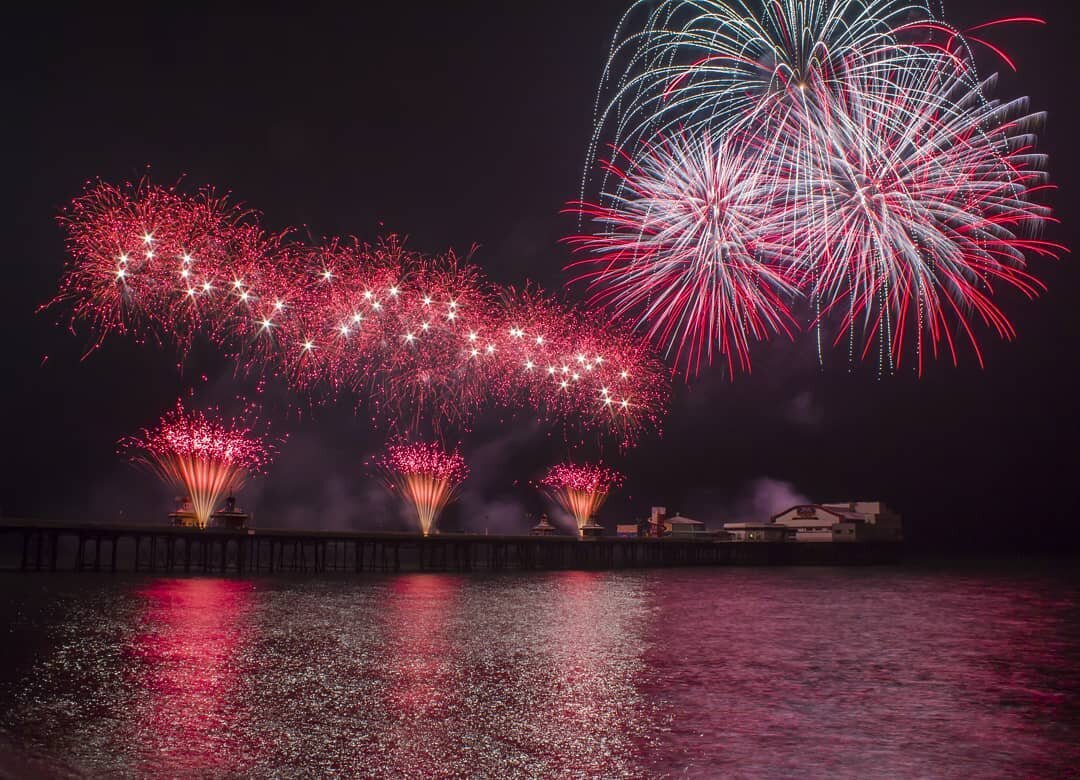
687	248
919	213
425	475
843	150
421	338
719	64
204	456
580	489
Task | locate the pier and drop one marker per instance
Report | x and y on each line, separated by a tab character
39	546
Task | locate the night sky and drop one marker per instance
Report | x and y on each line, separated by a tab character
467	123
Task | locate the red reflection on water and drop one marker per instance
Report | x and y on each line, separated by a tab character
588	648
185	659
860	673
518	672
418	610
420	688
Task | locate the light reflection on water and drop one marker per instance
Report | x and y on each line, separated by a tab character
750	672
189	634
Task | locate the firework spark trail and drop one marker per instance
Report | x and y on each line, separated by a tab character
426	476
200	454
580	489
849	152
716	64
421	338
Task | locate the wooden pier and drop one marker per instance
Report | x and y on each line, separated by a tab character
166	549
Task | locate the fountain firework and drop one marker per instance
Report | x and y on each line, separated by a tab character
201	454
425	475
580	489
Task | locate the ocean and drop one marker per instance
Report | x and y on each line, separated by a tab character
964	671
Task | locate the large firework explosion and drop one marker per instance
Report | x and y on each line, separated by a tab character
203	455
421	338
426	476
580	489
845	150
687	249
918	214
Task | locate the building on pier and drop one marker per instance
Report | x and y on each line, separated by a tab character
651	526
757	532
811	522
592	529
853	521
544	527
230	516
867	521
679	527
184	513
659	524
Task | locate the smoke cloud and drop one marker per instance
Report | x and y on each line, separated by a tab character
314	486
487	502
763	498
755	502
804	410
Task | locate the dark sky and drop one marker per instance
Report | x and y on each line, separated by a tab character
467	122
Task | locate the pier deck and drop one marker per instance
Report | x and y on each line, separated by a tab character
43	546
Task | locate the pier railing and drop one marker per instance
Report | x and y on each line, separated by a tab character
43	546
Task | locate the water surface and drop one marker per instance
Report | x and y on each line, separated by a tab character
875	672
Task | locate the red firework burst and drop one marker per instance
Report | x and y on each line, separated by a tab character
689	249
423	338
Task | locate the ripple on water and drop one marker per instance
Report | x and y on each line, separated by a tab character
879	672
